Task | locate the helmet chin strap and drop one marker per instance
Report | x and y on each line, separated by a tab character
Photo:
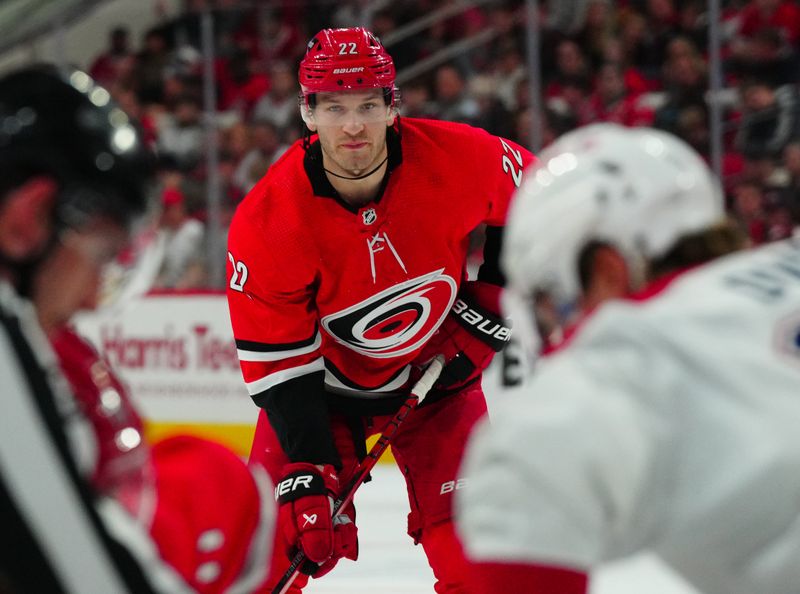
386	158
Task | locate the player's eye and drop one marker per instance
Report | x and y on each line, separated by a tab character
369	106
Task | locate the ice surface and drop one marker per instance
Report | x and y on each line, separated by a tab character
390	563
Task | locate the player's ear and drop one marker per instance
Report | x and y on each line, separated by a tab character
391	117
308	117
611	271
30	206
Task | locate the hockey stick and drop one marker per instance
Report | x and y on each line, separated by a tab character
417	395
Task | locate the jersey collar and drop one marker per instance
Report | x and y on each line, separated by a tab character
321	185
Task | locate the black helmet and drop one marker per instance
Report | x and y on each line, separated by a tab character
60	123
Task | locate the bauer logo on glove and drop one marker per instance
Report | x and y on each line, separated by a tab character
300	483
493	328
469	336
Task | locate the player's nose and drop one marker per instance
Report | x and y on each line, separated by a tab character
352	124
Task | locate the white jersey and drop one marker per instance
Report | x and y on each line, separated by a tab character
670	424
505	374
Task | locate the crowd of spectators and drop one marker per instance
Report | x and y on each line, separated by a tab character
633	62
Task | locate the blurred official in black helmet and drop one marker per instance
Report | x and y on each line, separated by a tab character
73	183
74	175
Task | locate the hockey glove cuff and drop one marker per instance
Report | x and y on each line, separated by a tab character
470	335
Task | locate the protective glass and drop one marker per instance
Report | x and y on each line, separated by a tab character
336	112
133	271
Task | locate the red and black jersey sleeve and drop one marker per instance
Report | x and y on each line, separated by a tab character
271	274
502	162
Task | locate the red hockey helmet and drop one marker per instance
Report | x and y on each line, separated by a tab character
346	59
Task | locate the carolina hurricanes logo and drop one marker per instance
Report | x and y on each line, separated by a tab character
395	321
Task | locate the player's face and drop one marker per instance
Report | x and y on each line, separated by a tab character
352	129
68	280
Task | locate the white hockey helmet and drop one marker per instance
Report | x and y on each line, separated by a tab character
638	189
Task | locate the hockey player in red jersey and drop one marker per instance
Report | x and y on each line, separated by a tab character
667	423
346	275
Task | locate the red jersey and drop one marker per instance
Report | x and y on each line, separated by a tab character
316	285
785	18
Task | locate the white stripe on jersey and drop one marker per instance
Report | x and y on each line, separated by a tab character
284	375
245	355
397	383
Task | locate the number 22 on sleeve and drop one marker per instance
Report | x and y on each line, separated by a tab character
238	275
508	164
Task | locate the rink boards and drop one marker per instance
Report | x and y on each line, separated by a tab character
177	355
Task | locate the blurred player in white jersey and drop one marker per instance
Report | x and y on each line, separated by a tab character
669	421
